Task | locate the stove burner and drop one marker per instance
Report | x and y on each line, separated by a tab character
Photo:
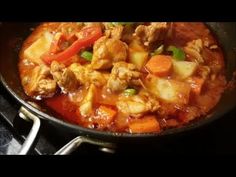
5	137
8	143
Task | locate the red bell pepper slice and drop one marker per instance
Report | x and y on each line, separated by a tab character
86	37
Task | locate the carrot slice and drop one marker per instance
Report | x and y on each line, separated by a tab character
160	65
146	124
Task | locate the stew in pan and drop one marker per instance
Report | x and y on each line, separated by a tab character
124	76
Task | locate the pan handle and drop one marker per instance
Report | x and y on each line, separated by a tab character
26	115
68	148
76	142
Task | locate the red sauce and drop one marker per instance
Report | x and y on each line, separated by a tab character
63	106
169	115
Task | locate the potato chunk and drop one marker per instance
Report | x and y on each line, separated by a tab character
138	58
169	90
39	47
184	69
86	106
137	54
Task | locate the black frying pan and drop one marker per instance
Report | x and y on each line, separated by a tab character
13	34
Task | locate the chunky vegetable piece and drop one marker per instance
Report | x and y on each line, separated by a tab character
35	51
137	54
130	92
184	69
160	65
138	58
158	51
178	54
85	38
121	77
145	125
87	55
169	90
86	106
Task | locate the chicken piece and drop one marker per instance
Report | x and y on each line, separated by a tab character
117	31
86	75
154	33
151	101
122	75
138	105
56	70
107	51
64	77
40	83
194	50
114	32
121	32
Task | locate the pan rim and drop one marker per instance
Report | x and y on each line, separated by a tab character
191	126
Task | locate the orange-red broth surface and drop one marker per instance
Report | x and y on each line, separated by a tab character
130	80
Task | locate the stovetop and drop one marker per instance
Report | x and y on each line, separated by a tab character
13	131
218	137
